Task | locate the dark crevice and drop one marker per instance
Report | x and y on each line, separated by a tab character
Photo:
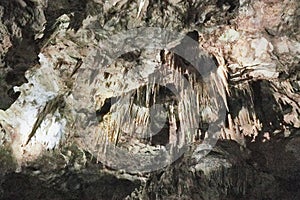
131	56
161	137
265	105
12	94
163	95
233	4
187	56
100	113
54	11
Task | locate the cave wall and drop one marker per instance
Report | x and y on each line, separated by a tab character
47	47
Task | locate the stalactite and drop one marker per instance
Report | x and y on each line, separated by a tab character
173	127
148	95
192	96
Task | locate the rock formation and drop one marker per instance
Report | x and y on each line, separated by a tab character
149	99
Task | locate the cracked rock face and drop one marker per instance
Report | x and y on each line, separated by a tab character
90	74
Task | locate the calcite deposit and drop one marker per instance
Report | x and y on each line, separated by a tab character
149	99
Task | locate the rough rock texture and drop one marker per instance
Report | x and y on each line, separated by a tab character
228	172
223	174
58	86
67	174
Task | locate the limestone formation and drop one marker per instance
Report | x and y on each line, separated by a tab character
166	99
